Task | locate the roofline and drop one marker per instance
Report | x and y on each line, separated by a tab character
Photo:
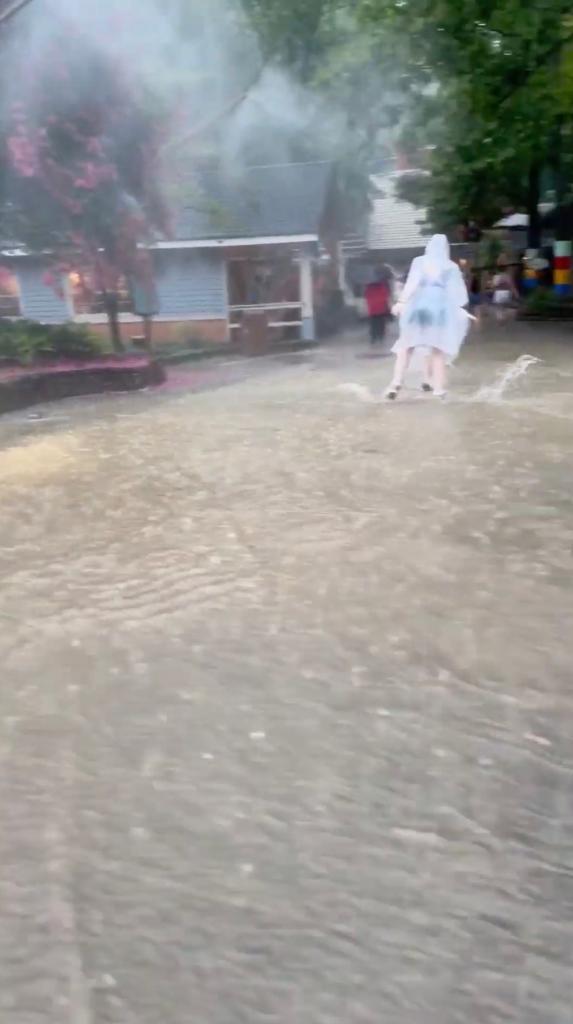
231	243
10	254
409	247
413	247
204	243
290	163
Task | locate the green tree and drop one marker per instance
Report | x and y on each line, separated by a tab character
355	76
502	71
295	34
79	165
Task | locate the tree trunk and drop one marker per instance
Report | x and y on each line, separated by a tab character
148	333
562	226
112	311
563	220
533	196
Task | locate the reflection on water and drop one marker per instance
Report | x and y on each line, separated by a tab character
37	460
286	705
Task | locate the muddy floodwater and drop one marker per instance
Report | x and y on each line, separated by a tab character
286	703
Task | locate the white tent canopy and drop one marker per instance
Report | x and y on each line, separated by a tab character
515	220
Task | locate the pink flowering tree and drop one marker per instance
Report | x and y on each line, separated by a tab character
82	144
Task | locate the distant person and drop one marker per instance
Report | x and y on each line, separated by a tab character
472	232
475	292
504	291
432	317
378	296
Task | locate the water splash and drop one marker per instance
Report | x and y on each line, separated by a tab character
495	392
359	391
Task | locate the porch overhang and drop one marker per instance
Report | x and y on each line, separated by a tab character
232	243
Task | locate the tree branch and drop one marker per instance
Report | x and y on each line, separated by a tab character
206	125
12	9
528	73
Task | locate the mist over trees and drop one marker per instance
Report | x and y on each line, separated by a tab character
106	112
500	122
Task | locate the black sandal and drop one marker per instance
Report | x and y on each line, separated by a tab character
392	392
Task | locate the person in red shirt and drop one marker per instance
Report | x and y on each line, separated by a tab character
379	302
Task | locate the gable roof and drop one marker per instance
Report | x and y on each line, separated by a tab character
278	199
395	223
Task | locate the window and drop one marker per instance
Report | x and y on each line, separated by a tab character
9	294
87	301
264	280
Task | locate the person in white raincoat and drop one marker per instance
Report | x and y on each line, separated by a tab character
432	316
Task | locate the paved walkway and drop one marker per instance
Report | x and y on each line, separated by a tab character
286	708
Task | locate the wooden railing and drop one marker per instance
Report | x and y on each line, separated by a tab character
270	307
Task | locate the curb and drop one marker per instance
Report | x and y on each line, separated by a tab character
53	384
230	351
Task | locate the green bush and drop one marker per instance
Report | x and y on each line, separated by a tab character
26	342
545	302
73	341
539	300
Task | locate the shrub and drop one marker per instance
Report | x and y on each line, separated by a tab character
74	341
26	342
544	302
539	300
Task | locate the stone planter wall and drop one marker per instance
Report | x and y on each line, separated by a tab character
22	387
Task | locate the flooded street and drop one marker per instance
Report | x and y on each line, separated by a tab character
286	710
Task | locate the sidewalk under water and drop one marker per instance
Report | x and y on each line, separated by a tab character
286	712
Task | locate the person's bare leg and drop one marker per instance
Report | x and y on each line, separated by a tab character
439	372
428	382
403	357
401	365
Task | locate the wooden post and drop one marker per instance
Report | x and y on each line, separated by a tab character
306	298
530	278
148	333
562	268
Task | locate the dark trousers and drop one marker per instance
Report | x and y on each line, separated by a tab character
378	327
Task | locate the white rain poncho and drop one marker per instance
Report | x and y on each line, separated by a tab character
431	304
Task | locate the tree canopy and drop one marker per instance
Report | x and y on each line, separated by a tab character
503	76
80	160
480	91
358	78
